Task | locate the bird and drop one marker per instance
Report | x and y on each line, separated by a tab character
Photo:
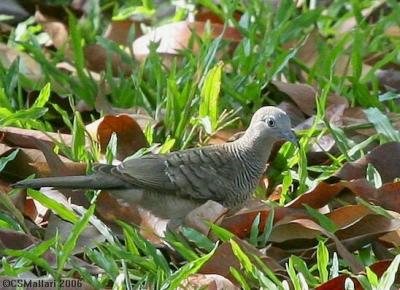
171	185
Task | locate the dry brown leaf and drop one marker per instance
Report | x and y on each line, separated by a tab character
293	230
385	158
393	31
25	138
240	222
387	196
302	94
317	197
294	112
175	36
90	237
203	15
96	60
207	282
347	25
118	31
109	210
343	251
56	29
211	211
324	193
338	283
389	79
12	239
30	210
28	66
348	215
223	136
366	231
21	167
71	168
130	137
224	258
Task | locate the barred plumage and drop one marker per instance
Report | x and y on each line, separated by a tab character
171	185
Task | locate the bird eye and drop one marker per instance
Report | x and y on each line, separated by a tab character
271	122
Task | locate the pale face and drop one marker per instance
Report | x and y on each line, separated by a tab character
273	123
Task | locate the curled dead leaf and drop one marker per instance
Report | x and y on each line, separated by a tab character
130	137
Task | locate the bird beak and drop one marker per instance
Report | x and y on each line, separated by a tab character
290	136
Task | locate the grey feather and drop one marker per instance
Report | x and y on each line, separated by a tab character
173	184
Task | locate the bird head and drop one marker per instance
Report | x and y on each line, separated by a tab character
273	124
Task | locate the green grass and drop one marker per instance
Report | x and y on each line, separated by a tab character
198	94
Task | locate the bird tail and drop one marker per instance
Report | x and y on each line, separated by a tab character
74	182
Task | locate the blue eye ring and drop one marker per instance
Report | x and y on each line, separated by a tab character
270	122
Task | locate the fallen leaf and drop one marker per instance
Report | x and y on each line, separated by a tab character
96	58
293	230
12	239
302	95
21	167
385	158
56	29
56	165
294	112
387	196
318	196
71	168
389	78
393	30
211	211
175	36
338	283
240	222
224	258
207	282
351	22
118	31
367	230
110	209
346	216
306	229
89	238
130	137
222	136
28	66
25	138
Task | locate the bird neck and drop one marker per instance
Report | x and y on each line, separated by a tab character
255	144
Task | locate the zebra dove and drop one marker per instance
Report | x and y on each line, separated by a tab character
172	185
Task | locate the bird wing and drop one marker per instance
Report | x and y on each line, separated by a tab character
199	173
